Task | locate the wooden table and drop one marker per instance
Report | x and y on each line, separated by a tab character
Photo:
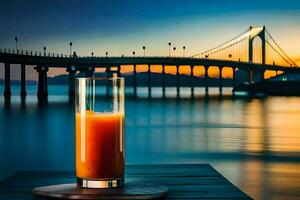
192	181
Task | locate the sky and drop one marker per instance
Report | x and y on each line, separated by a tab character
123	26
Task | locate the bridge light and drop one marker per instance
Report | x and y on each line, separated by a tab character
169	49
44	50
70	48
92	54
106	53
183	51
144	49
133	53
174	49
16	39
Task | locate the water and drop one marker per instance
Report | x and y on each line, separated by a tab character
255	143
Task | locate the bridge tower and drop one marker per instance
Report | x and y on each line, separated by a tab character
252	36
253	33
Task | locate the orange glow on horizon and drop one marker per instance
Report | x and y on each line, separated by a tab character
269	74
227	72
170	69
185	70
213	72
198	71
156	68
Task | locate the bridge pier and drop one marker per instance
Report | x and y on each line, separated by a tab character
258	75
221	80
206	79
134	81
108	72
7	90
149	80
72	73
90	72
250	76
262	75
192	81
42	82
177	81
23	81
163	81
119	71
233	78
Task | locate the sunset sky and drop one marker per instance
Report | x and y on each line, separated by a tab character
120	26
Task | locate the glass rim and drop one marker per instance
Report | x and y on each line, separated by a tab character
100	78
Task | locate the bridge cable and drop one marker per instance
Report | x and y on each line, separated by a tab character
223	44
291	61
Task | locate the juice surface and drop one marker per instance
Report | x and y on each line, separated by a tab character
99	145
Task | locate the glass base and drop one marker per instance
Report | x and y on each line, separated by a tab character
103	183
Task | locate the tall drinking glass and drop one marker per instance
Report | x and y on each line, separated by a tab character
100	141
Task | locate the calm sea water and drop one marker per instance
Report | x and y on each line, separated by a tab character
255	143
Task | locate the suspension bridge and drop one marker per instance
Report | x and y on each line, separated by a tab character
254	51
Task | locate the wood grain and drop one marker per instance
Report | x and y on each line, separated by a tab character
185	181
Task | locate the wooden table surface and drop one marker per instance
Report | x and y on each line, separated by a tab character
185	181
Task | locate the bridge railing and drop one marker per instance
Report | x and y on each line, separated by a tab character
32	53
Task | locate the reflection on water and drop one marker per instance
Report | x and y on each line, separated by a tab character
255	143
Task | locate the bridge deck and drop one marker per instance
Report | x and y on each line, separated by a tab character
196	181
103	62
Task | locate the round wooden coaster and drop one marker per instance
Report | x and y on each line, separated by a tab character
131	190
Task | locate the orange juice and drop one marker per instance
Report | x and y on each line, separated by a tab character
99	145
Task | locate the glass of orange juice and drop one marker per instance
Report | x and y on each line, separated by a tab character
100	156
